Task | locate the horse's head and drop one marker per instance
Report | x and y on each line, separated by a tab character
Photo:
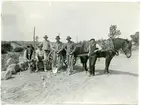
127	45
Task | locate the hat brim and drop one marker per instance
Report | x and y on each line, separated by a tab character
57	38
68	38
45	37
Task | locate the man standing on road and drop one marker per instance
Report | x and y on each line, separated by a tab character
70	48
93	48
57	57
47	49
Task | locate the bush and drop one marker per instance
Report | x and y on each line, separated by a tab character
6	47
135	38
18	49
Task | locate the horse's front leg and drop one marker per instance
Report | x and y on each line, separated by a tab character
107	63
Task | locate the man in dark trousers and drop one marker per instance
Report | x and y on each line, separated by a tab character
93	48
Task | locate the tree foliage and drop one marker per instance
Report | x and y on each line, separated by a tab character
113	32
6	47
135	38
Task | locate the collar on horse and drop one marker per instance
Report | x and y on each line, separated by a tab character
114	49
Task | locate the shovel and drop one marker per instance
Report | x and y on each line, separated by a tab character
54	70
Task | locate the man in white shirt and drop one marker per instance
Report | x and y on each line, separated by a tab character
39	56
93	47
47	48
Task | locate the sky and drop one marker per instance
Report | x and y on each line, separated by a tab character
80	20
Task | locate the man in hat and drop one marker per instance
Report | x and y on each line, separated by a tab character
57	57
29	52
93	48
39	56
70	48
46	48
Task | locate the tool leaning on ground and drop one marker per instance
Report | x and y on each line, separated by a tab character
54	69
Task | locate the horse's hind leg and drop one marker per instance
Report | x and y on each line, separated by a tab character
107	63
85	66
84	63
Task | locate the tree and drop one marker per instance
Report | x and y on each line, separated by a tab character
135	38
113	32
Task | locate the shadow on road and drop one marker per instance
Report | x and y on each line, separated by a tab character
115	72
78	69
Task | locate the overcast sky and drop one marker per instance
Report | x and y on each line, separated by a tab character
83	19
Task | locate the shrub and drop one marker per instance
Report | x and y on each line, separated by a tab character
5	47
135	38
18	49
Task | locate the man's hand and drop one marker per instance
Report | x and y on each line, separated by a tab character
88	54
37	60
71	53
95	51
58	52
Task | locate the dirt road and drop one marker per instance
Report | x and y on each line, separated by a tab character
121	87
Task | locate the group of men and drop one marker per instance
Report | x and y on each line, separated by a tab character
45	48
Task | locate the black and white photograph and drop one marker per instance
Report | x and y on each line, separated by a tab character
69	52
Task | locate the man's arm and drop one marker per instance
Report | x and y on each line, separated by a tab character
37	54
52	46
98	46
62	47
74	48
89	50
65	46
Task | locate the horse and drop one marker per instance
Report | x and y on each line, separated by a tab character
82	50
118	43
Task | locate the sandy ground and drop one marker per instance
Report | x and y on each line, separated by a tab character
121	87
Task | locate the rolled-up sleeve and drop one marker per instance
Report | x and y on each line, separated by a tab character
74	47
98	46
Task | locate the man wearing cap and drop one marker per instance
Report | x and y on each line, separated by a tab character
39	56
46	48
70	48
57	57
93	48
